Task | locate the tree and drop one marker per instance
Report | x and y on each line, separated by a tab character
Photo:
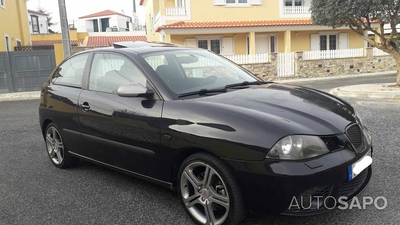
49	19
362	15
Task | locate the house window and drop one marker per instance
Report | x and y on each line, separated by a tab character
238	2
235	1
3	3
7	39
35	24
19	43
213	45
180	3
328	42
202	44
272	43
294	3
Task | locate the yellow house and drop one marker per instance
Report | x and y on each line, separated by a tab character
236	27
14	27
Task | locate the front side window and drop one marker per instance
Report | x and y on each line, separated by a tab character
35	24
70	73
110	71
192	70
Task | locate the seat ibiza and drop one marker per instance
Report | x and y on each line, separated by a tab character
190	120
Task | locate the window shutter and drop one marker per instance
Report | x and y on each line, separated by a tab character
219	2
343	40
315	42
191	43
255	2
227	46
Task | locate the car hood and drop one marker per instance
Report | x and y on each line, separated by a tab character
288	109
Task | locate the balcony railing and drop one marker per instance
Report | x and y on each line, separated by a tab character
296	9
175	11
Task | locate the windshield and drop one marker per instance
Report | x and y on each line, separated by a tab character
185	71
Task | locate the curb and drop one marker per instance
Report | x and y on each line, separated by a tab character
301	79
366	91
20	96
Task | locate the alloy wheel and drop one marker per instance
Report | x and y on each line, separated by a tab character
204	193
55	146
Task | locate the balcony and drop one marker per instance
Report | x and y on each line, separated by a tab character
175	11
296	10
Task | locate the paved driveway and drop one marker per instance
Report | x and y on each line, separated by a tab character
33	191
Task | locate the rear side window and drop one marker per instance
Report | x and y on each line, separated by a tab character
71	71
110	71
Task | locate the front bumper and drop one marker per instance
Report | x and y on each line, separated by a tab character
270	186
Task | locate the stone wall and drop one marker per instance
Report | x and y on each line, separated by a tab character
343	66
326	67
264	70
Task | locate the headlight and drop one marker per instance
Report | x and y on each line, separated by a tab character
297	147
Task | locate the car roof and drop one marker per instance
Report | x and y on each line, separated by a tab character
140	47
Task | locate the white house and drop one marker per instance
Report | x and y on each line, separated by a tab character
105	21
37	22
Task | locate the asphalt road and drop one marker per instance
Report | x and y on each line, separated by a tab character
33	191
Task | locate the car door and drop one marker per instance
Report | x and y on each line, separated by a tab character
60	99
122	132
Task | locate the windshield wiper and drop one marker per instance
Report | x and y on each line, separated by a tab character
202	92
245	84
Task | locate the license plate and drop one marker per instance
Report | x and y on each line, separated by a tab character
356	168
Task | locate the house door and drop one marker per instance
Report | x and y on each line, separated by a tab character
105	24
262	44
95	26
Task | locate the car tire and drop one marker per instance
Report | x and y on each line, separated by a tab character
209	192
56	148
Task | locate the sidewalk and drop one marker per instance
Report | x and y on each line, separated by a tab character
368	91
19	96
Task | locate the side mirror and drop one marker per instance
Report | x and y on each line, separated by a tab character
134	89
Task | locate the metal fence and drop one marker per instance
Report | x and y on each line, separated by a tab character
247	59
332	54
25	70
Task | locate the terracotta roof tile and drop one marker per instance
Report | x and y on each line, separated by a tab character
235	24
103	13
104	41
52	42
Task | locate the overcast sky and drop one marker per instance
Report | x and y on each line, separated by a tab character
78	8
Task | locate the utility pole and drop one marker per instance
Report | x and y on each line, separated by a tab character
64	28
134	18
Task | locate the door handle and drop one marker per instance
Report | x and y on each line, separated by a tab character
85	106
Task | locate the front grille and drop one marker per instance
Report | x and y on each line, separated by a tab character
349	188
355	135
333	143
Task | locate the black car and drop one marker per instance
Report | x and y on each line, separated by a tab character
195	122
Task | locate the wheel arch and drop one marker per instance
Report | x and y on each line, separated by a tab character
184	154
46	122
